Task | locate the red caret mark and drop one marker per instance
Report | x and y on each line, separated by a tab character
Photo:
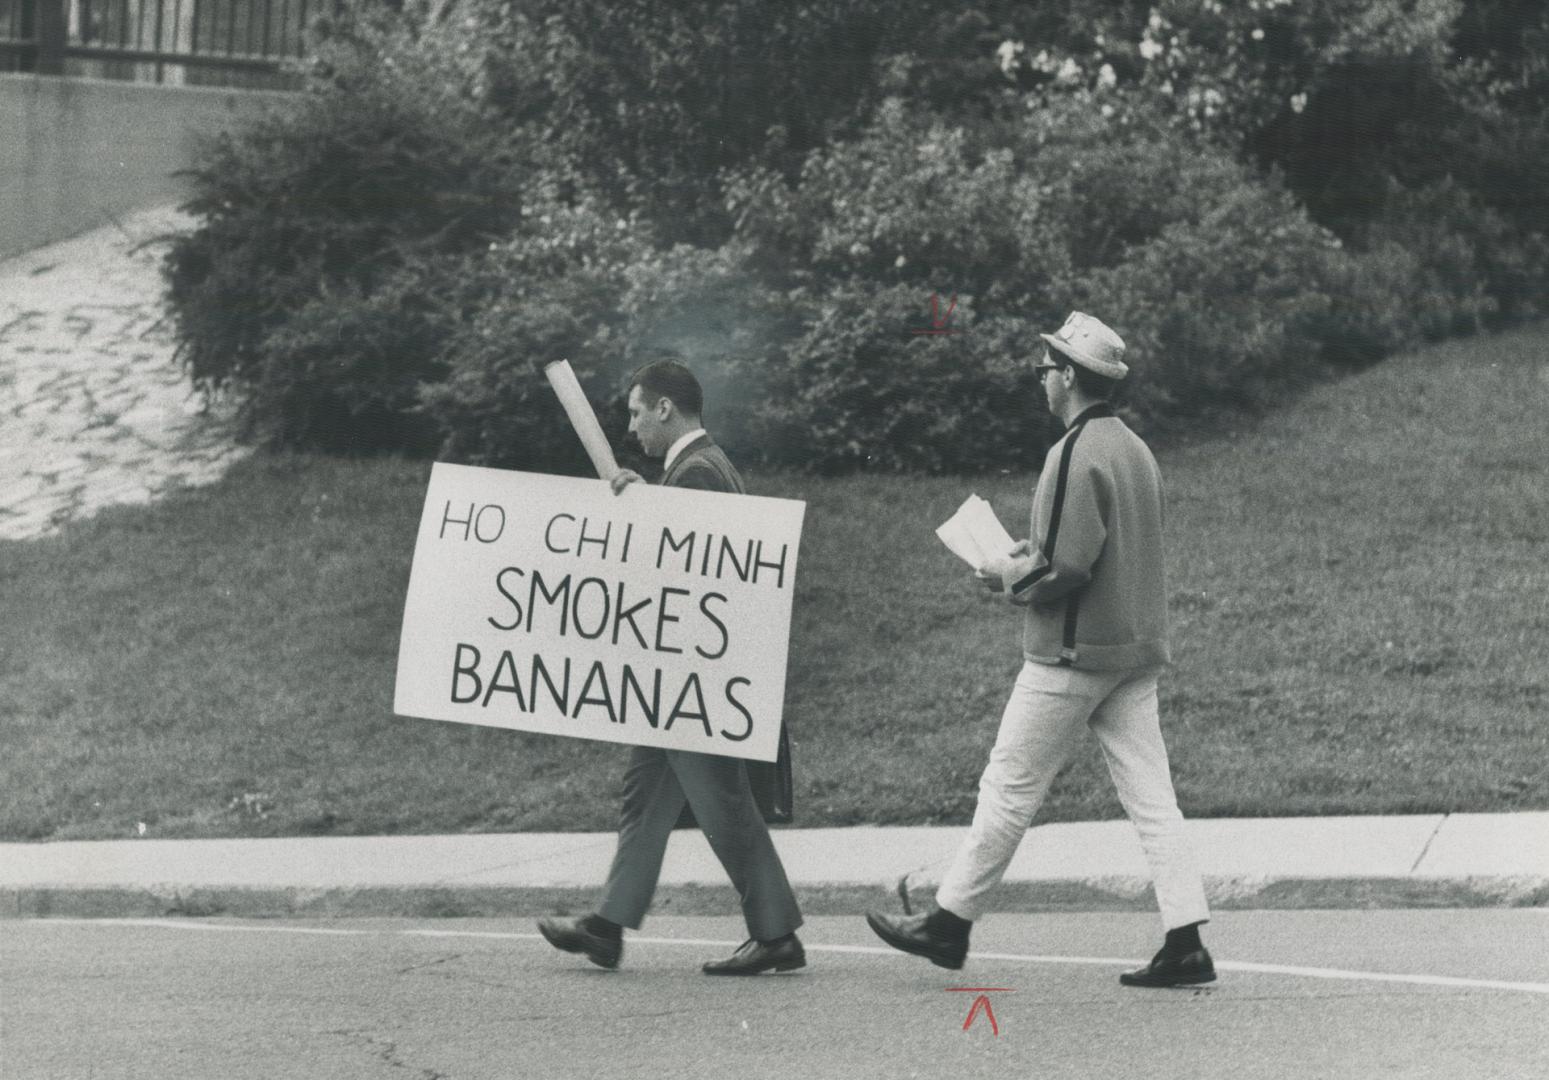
938	321
981	1002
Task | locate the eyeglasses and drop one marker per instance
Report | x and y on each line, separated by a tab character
1042	370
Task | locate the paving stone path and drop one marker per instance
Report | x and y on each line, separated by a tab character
94	410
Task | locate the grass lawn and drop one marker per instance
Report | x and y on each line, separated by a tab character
1358	584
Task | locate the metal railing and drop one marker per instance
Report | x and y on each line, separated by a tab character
209	42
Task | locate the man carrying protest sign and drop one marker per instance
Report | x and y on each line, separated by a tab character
1094	640
665	403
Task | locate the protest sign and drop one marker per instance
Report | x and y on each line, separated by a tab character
660	616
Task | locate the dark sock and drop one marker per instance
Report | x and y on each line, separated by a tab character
1183	939
602	927
946	924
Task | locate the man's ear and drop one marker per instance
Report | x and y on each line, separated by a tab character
665	408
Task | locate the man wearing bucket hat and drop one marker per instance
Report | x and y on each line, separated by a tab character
1094	640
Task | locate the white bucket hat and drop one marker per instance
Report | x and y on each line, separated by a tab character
1090	343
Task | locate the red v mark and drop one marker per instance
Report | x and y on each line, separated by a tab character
982	1000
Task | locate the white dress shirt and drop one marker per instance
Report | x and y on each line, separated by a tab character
677	448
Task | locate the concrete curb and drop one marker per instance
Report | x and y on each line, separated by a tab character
1430	860
1053	895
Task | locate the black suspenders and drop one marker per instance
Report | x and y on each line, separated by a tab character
1061	481
1072	602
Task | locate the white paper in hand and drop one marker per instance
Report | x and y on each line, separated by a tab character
974	534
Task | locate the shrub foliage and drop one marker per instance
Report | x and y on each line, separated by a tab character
307	288
777	192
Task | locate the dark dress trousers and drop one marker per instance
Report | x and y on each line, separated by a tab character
659	783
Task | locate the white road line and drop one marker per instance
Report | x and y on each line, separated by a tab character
235	928
1378	976
1247	967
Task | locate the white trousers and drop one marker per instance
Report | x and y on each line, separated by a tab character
1039	730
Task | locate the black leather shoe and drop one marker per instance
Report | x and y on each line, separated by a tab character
1186	969
579	936
782	954
913	934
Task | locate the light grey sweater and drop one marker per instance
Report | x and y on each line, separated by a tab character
1095	584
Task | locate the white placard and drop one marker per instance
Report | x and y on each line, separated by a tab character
660	616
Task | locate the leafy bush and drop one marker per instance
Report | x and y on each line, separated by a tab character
1363	105
1223	311
465	192
577	282
342	371
651	99
854	252
1435	263
1215	278
294	293
1212	273
1371	311
549	291
861	392
1475	268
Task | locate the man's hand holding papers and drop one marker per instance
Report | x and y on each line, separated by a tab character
1002	571
975	535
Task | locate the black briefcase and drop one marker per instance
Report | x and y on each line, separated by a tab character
771	784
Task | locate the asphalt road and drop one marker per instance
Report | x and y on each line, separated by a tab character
1445	994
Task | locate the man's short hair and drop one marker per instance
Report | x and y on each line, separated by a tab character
672	380
1088	381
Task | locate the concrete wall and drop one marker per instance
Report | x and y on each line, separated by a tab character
74	153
